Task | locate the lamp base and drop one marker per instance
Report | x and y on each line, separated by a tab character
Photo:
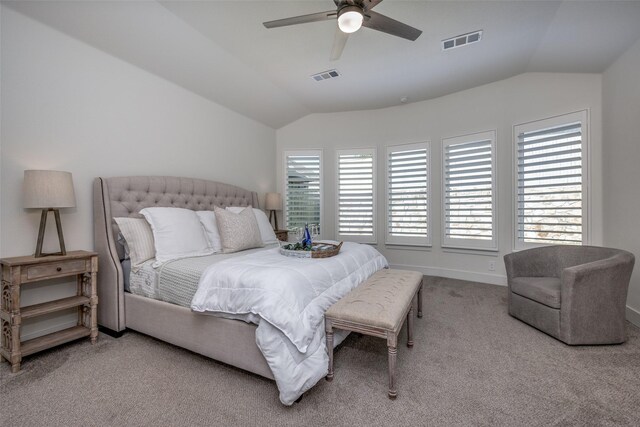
43	225
273	214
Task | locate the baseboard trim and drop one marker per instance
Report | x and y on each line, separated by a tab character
633	316
494	279
49	330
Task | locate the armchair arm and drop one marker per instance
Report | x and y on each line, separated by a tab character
593	300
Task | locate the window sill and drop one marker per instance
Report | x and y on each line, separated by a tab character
492	252
524	246
406	247
347	239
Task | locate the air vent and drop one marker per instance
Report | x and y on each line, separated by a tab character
462	40
325	75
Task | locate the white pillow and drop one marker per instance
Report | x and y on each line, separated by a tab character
177	233
138	239
266	231
208	221
238	231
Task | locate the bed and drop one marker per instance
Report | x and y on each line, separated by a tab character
231	341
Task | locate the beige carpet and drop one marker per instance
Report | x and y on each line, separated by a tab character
472	364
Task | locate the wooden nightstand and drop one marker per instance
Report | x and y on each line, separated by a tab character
19	271
282	235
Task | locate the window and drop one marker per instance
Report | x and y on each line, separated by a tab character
356	195
469	191
408	194
551	159
303	188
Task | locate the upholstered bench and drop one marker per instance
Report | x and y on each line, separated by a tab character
378	308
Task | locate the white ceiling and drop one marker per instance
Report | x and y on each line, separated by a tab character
221	50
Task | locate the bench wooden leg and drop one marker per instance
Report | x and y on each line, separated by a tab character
410	327
393	353
420	299
329	333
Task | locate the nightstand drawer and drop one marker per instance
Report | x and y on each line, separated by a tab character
54	269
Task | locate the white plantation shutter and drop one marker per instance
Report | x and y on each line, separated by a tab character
550	181
469	191
303	188
356	195
408	194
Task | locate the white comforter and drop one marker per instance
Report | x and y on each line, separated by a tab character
289	296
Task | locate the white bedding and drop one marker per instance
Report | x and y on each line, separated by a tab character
290	296
176	281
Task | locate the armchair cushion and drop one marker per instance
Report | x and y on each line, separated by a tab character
545	290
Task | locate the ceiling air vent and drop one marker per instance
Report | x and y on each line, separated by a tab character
329	74
462	40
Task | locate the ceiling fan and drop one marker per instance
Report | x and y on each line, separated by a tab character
351	15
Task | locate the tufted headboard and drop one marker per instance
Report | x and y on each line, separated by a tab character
126	196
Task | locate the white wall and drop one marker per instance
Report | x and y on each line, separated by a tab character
68	106
621	115
496	106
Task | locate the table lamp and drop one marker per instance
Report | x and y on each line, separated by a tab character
273	203
49	191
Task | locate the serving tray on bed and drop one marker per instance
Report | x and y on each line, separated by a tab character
318	250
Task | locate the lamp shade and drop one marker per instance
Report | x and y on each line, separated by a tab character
48	189
273	202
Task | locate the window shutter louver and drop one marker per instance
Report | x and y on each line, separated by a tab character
469	191
408	194
356	195
550	184
303	188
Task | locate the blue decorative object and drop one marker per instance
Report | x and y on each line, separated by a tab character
306	240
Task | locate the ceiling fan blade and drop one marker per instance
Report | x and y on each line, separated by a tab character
339	40
379	22
370	4
303	19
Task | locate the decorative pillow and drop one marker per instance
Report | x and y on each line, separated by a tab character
177	233
266	231
208	221
138	239
238	231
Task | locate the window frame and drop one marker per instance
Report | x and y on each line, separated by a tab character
583	116
372	239
474	244
409	240
303	152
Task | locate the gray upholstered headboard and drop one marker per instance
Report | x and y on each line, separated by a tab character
126	196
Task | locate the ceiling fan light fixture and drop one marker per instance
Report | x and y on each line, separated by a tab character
350	19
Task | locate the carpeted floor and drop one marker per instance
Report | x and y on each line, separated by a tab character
472	364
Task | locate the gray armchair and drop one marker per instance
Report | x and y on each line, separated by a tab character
576	294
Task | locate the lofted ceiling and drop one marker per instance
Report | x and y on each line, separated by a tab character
221	50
